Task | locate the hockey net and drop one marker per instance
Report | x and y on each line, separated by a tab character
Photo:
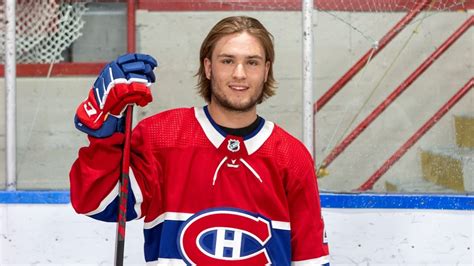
44	29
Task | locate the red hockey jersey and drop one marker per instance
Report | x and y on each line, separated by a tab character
208	198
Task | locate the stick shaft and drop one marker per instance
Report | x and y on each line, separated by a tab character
123	193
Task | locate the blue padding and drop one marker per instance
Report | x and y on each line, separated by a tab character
328	200
397	201
35	197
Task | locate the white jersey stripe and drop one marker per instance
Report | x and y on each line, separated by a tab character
255	142
170	216
106	201
179	216
212	134
137	193
281	225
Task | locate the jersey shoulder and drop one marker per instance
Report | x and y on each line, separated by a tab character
174	127
177	116
288	142
289	150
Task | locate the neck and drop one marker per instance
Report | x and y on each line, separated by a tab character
232	118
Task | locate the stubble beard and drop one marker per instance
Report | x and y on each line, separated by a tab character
226	103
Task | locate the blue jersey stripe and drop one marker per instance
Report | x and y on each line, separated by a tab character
111	211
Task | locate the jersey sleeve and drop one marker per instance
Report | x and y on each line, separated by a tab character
308	240
94	177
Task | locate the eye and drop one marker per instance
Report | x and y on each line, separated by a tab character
226	61
253	62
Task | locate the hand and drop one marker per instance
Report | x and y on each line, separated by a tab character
120	83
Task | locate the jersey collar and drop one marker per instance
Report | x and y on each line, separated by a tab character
216	135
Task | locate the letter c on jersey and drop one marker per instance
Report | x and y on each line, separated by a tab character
225	237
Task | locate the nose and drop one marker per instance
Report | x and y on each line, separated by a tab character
239	72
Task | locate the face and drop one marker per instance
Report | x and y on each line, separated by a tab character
237	70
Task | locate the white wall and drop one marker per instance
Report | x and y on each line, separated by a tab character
54	235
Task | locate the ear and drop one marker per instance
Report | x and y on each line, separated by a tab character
207	67
267	69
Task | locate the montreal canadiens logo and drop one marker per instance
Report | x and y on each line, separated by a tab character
225	237
233	145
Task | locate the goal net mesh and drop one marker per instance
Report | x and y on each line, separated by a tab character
44	29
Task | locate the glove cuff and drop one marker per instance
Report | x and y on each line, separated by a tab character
110	126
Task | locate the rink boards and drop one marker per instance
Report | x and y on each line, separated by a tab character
363	229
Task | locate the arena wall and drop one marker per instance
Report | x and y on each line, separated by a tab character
52	234
48	142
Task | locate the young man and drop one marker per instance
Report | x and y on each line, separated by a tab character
216	185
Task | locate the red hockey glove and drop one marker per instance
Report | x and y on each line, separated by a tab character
121	82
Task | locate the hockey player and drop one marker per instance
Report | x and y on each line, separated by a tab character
216	185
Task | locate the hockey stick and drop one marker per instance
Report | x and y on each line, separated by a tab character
123	194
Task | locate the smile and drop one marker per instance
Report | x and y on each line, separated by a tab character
238	87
